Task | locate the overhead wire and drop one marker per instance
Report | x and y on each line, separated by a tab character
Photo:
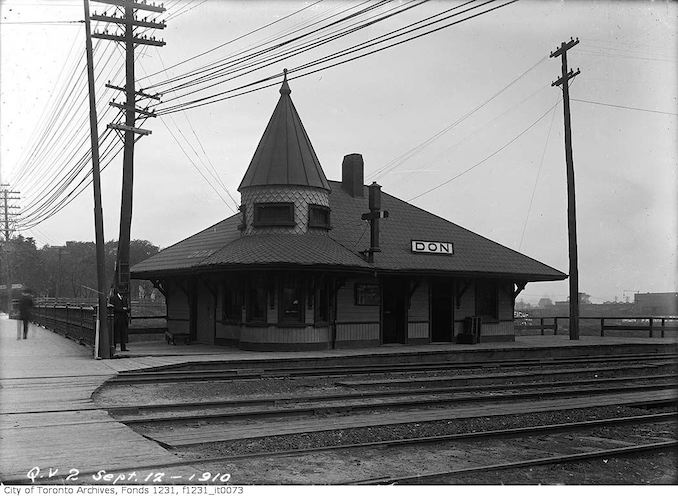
230	41
623	106
60	198
68	132
244	56
42	120
70	197
59	103
220	96
401	159
74	141
251	61
536	181
481	162
213	172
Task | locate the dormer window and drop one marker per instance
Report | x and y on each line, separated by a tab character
318	216
273	214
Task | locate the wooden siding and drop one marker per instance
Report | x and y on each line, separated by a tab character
419	308
417	330
228	331
177	309
347	311
467	306
205	317
497	328
358	331
272	334
506	302
272	306
177	303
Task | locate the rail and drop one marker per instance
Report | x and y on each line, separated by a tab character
78	321
655	326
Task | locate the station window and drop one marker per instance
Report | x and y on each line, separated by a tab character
256	304
322	304
291	301
487	300
318	216
273	214
231	309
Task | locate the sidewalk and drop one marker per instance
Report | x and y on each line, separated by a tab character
47	418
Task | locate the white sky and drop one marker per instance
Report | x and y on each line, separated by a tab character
385	104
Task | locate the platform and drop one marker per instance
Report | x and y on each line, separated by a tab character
48	420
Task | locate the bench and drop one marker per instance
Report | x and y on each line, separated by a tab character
171	337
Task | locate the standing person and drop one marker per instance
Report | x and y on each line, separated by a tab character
119	318
26	310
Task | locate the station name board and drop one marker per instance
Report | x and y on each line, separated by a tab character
437	247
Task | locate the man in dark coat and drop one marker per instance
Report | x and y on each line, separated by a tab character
119	318
26	310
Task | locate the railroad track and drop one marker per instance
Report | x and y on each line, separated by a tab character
283	456
505	376
203	372
280	406
438	477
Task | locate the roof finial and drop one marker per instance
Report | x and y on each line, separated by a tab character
285	88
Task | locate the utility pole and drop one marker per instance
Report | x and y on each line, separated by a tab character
563	81
105	336
7	196
128	23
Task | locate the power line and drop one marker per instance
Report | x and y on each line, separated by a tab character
536	181
486	158
193	163
54	23
213	171
623	107
491	121
213	98
398	161
222	68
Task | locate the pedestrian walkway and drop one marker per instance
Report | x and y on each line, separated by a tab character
47	417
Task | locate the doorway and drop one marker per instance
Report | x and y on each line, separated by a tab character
442	312
394	311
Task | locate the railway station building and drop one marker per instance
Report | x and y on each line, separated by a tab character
313	264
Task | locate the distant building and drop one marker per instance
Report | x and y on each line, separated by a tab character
656	303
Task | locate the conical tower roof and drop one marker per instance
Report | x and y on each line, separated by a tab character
285	155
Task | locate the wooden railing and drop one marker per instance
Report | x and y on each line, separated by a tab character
78	321
655	326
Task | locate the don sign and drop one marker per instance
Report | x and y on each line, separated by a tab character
437	247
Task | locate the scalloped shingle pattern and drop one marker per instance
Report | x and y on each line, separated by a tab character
301	197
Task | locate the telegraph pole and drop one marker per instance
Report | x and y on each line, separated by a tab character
571	206
7	209
105	337
129	38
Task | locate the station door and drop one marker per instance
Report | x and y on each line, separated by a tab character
394	311
442	312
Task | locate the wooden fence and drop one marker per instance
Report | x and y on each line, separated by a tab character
653	326
78	321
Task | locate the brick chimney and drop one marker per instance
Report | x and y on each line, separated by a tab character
352	175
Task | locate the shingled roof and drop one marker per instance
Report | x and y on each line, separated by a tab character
285	155
221	247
